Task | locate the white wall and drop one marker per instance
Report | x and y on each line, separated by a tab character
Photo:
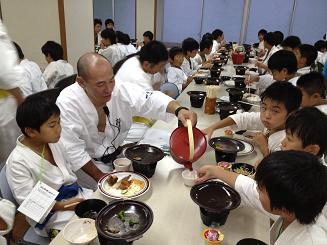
79	29
31	23
144	17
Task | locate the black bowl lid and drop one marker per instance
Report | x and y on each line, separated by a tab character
196	93
215	196
235	91
227	145
245	166
250	241
134	211
228	106
225	78
144	153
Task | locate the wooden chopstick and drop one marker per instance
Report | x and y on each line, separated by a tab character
71	204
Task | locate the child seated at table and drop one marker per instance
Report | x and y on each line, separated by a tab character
313	91
278	101
190	48
306	130
283	67
218	40
40	156
306	55
289	187
175	73
202	58
290	43
321	47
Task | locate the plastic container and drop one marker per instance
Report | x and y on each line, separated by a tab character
212	236
189	177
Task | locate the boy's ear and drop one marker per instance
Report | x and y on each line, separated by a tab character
313	149
316	96
31	132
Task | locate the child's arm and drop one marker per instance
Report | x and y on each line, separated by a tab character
220	124
211	171
261	140
187	82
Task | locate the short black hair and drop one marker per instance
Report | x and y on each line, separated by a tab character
262	32
217	33
109	21
295	181
174	51
97	21
189	44
285	93
279	37
320	45
312	83
309	52
34	111
270	38
154	52
283	59
310	125
126	39
53	49
205	43
148	34
119	36
19	51
109	34
207	35
291	42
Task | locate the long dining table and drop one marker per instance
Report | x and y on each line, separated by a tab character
177	218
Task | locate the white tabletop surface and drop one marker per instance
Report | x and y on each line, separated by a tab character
176	217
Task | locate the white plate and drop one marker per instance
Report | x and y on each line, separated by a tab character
224	98
249	148
230	83
133	191
252	98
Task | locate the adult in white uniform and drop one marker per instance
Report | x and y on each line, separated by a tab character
190	48
57	68
90	131
33	79
36	159
7	216
109	47
280	191
140	69
11	78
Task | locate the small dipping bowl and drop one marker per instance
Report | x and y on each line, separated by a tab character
199	80
89	208
225	165
212	236
122	164
189	177
197	98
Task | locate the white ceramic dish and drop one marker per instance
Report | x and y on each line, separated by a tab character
80	231
249	148
139	187
251	98
230	83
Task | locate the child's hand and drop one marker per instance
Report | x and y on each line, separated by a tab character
251	79
207	172
261	140
208	131
189	79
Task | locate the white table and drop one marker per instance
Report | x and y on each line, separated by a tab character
176	217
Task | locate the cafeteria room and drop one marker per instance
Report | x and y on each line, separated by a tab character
163	122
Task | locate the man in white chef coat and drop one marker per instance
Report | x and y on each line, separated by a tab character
96	114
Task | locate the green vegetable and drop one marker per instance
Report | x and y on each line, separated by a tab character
124	191
121	216
132	222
